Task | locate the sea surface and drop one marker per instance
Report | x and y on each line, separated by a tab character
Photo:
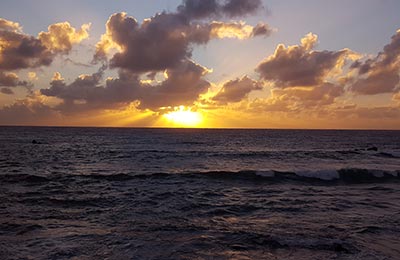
119	193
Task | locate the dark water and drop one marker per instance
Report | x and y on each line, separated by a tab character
92	193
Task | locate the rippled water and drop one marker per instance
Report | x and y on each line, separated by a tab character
101	193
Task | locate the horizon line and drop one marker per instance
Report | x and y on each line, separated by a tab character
205	128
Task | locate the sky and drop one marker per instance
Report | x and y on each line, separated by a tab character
201	63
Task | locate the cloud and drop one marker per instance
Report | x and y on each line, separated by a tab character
295	99
155	45
262	29
87	93
183	86
299	65
29	111
20	51
10	80
6	25
374	112
61	36
203	33
236	90
6	91
200	9
377	81
380	74
163	41
80	89
235	8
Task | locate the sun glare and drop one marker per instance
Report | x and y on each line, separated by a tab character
184	117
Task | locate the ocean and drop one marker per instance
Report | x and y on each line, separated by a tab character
122	193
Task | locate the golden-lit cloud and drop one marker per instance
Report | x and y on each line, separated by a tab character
60	37
230	30
32	76
9	25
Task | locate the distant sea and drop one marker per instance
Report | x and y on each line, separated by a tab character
120	193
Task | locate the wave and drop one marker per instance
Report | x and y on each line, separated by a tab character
341	176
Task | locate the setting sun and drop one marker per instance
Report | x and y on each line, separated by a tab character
184	117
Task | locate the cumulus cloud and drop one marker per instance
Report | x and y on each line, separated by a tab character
20	51
60	37
182	86
164	44
157	44
299	65
163	41
236	90
9	25
380	74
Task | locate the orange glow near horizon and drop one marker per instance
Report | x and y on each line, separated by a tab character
184	117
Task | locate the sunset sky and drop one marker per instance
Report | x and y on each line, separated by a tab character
201	63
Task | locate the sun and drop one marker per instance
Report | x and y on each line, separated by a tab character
184	117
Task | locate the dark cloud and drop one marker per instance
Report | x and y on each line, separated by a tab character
235	8
76	63
157	44
29	111
380	74
182	87
262	29
6	91
87	93
382	80
163	41
199	9
236	90
82	88
10	80
20	51
299	65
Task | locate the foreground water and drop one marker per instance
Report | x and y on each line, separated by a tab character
101	193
